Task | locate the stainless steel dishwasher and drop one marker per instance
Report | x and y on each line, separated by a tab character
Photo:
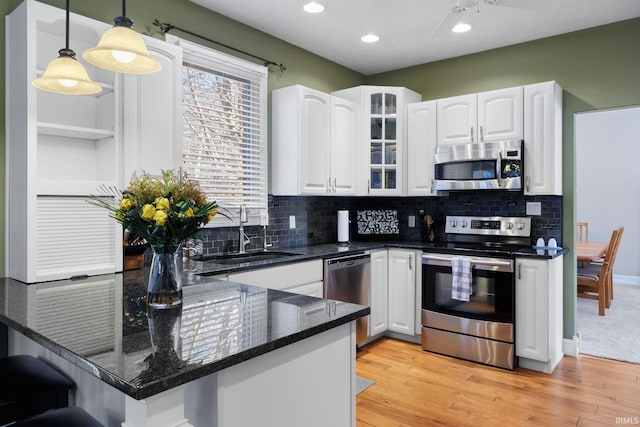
348	279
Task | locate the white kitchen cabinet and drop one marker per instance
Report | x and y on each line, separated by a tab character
486	116
539	313
314	143
500	115
59	149
402	291
457	119
421	144
301	277
543	139
382	124
378	302
152	131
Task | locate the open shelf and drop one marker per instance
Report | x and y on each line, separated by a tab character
78	132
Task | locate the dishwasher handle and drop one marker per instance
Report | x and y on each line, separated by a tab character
348	260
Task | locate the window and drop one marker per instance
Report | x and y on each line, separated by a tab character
224	130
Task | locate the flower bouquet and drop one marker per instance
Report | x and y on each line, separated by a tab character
164	211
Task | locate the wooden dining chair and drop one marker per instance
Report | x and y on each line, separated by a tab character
583	231
594	266
592	279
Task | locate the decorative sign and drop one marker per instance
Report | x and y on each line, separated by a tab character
378	222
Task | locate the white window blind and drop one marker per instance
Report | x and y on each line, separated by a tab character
224	112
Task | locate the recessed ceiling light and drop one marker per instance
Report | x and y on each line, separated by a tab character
313	7
370	38
461	28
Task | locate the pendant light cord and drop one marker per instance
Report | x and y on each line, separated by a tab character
165	27
66	46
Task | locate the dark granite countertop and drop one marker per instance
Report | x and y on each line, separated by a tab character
196	269
103	325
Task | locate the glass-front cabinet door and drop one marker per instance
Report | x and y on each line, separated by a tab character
382	150
383	162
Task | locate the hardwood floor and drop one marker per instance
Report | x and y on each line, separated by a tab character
417	388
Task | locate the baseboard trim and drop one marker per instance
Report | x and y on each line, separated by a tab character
571	347
626	280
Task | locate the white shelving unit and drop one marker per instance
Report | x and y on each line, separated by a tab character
59	150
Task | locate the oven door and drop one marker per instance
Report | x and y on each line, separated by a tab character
492	288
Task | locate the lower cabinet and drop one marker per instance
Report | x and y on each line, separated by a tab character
402	291
539	313
378	319
395	281
301	277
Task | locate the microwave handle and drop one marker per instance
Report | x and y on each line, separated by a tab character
499	169
471	133
481	134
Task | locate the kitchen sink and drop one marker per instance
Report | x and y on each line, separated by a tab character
237	258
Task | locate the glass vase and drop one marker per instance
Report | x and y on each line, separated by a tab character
164	287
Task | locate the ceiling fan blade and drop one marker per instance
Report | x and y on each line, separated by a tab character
445	26
515	4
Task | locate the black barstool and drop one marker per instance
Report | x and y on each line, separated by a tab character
30	386
65	417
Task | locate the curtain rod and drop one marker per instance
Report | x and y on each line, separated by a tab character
165	27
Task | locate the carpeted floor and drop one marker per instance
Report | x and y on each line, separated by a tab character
616	334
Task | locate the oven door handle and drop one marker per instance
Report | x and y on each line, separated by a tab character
474	261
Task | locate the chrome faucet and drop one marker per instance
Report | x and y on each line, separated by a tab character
243	240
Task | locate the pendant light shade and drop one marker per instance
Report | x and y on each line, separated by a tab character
122	50
65	74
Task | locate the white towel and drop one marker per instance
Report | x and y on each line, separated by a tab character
461	286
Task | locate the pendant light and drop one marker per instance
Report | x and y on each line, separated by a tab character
65	74
122	50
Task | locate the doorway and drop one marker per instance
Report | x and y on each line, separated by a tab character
607	197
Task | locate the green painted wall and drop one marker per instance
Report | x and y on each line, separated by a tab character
597	68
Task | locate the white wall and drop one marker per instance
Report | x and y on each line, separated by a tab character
608	181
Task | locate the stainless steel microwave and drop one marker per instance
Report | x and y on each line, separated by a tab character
482	166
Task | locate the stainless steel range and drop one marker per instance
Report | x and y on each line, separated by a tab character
468	301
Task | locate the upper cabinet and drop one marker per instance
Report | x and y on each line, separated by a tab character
421	143
152	133
382	137
486	116
59	149
457	119
314	143
543	139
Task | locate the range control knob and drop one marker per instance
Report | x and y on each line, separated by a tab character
464	224
454	223
521	226
509	226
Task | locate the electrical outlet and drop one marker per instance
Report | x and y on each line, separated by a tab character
292	222
534	208
412	221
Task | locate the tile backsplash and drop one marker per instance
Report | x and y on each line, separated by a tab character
316	217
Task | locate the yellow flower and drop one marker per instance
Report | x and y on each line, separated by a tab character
148	211
188	213
160	217
162	203
125	205
211	214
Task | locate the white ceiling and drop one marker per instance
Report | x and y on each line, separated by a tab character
407	28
